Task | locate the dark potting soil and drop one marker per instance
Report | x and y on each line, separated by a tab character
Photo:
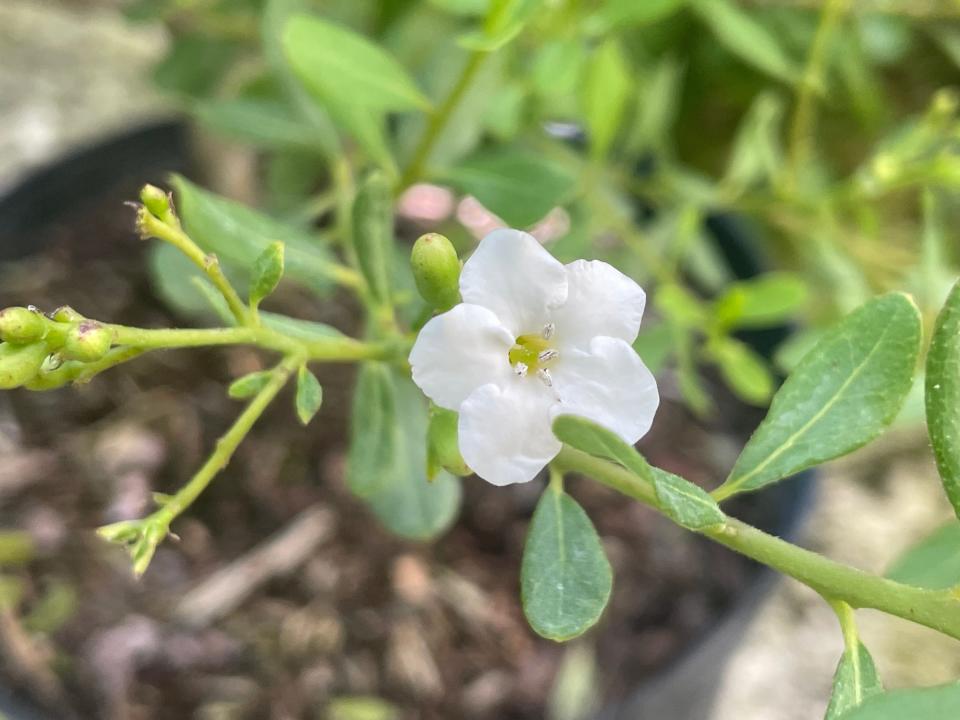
436	629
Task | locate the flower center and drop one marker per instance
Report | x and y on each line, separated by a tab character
533	354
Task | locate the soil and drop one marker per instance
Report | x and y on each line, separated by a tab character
434	629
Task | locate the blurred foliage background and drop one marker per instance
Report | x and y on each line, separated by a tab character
823	134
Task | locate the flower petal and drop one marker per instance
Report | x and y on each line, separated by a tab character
601	300
609	385
457	352
504	431
511	274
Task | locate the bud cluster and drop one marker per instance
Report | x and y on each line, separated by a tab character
33	345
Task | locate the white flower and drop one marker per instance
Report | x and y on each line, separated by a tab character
534	339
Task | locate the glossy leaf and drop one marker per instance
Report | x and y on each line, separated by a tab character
408	503
238	235
249	385
518	187
263	123
344	67
267	271
747	38
941	702
309	395
943	396
565	578
373	234
855	681
843	394
764	301
685	503
607	87
932	563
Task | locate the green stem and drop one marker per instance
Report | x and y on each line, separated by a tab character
228	444
801	127
937	609
154	227
334	349
438	121
848	626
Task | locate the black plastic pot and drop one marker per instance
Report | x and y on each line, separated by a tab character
685	689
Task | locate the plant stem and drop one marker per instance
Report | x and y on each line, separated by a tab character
801	126
937	609
848	626
438	121
154	227
334	349
229	443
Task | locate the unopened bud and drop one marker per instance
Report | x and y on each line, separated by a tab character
66	314
443	450
21	325
87	342
436	269
20	363
159	204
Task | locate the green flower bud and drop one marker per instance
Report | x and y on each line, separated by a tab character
87	342
21	325
20	363
67	314
157	202
443	450
436	269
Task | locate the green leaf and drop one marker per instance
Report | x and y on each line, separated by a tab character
943	396
263	123
519	187
685	503
360	708
309	395
267	271
767	300
743	370
681	306
565	579
406	502
557	67
505	21
238	235
855	680
933	563
195	65
373	234
620	14
843	394
301	329
757	154
941	702
607	87
183	286
274	19
249	385
747	38
344	67
373	439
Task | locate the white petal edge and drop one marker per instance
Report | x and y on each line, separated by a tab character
457	352
601	301
514	276
504	432
609	385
